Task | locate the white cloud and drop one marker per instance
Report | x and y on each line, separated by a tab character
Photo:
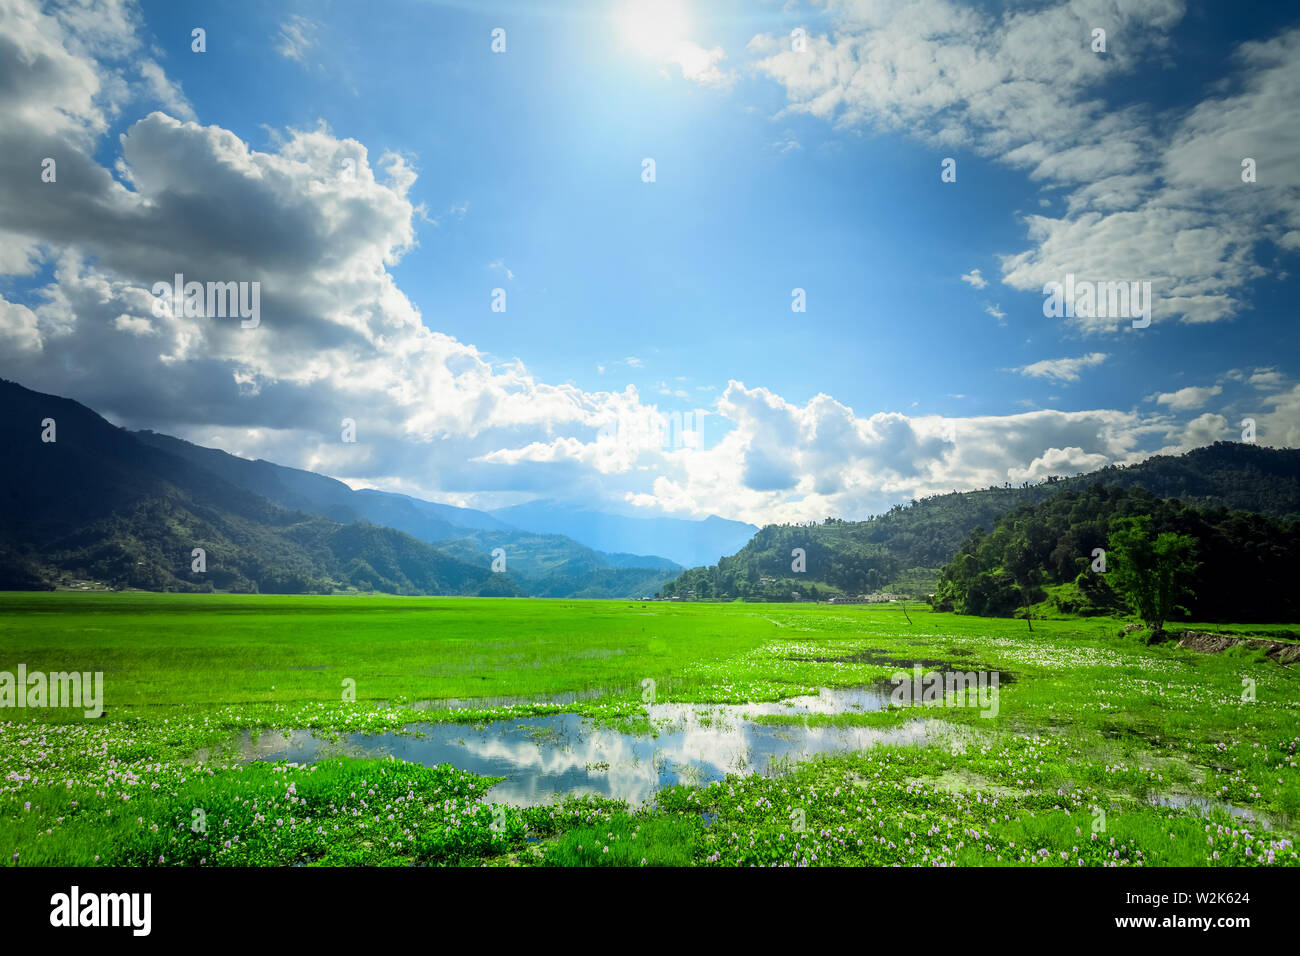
19	328
136	325
166	92
700	65
1058	461
1152	198
1188	398
1205	430
1267	378
297	36
975	279
339	338
1279	425
1062	369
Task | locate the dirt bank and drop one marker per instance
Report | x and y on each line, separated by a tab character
1208	643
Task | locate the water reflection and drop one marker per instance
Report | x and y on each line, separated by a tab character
547	757
1183	801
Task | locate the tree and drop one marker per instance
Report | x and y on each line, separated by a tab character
1152	573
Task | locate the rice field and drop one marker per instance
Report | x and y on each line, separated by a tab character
1100	750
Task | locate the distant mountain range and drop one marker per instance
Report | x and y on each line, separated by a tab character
685	541
902	550
106	506
311	493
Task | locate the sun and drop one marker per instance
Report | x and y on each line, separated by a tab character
654	28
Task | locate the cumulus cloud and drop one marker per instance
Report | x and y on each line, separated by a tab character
320	223
1267	378
975	279
165	91
1188	398
1059	461
1279	424
1205	429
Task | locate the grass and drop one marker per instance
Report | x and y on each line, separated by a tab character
1090	728
159	650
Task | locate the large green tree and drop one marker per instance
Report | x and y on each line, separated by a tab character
1153	572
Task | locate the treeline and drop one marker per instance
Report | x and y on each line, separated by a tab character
1245	564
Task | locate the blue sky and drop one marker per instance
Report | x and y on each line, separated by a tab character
775	169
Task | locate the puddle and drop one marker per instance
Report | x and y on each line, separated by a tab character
548	757
1184	801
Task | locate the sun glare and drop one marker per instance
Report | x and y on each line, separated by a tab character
654	28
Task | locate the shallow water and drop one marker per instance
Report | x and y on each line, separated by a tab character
548	757
487	703
1183	801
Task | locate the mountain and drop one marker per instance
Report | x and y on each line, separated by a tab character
98	504
1232	475
316	494
684	541
543	565
557	566
903	549
105	505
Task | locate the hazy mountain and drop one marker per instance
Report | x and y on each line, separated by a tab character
684	541
546	565
557	566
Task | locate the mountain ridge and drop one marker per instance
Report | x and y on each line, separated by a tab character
153	498
903	549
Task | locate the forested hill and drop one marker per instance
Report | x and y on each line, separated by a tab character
1059	551
1223	475
903	549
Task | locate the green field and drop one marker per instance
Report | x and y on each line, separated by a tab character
1090	728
